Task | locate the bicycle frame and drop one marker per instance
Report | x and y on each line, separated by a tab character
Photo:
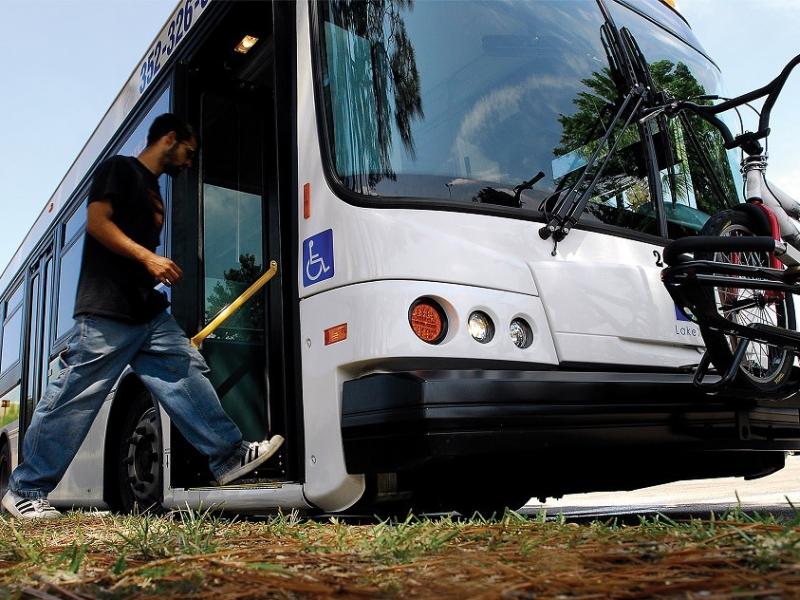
757	189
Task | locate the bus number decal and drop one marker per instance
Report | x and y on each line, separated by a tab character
171	34
318	258
179	24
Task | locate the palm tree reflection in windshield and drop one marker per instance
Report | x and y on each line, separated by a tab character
684	181
380	59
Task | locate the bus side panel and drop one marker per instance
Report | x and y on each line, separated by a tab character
379	338
82	485
11	435
606	304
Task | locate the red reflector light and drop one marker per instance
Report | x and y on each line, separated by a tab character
307	201
336	334
428	320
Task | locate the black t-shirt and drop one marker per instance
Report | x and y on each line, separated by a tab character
111	285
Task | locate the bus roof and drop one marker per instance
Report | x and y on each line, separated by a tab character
126	101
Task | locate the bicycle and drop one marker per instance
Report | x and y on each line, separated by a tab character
737	279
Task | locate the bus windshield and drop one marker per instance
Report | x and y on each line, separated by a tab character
462	101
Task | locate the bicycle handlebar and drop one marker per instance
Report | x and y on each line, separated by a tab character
772	90
713	243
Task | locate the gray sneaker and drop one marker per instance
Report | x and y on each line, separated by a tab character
257	453
25	508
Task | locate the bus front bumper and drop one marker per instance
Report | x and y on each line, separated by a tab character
404	420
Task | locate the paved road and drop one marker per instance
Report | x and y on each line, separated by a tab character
768	494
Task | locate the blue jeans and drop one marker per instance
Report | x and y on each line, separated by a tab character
98	351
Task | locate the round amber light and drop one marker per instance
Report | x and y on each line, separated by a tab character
428	321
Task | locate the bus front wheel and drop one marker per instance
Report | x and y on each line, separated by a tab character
139	470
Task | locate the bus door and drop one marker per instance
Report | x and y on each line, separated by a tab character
235	255
230	98
35	373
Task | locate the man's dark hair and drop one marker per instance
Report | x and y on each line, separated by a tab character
167	122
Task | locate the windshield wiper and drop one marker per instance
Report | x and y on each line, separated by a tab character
627	77
574	202
641	70
630	71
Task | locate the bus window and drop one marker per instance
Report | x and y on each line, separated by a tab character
488	95
68	285
9	407
12	329
70	269
232	214
75	223
47	296
33	335
233	257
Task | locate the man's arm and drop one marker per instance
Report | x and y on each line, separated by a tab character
100	226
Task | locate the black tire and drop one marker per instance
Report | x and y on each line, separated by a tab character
139	469
765	367
5	467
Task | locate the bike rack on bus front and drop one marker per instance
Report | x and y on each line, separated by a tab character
683	280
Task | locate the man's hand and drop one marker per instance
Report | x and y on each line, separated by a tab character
104	230
163	269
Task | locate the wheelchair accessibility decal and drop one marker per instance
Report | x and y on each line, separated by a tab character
685	326
318	258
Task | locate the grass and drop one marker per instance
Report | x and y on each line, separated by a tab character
198	554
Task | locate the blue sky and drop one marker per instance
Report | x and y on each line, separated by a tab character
751	41
62	63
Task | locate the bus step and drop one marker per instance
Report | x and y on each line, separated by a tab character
261	485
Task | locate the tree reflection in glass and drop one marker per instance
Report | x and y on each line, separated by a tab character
247	323
695	182
373	77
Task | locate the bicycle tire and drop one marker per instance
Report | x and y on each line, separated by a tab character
765	367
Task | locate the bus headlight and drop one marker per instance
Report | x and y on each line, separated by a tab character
480	327
521	333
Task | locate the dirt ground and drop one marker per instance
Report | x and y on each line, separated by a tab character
198	555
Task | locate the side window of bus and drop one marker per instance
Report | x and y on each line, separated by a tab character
69	269
9	406
12	329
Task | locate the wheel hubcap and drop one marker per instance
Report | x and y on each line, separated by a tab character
143	456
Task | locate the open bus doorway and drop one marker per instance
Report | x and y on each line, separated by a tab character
230	99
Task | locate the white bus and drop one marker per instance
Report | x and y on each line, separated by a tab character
421	344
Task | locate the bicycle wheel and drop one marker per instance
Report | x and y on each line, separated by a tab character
765	366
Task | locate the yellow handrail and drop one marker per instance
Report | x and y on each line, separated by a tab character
226	312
